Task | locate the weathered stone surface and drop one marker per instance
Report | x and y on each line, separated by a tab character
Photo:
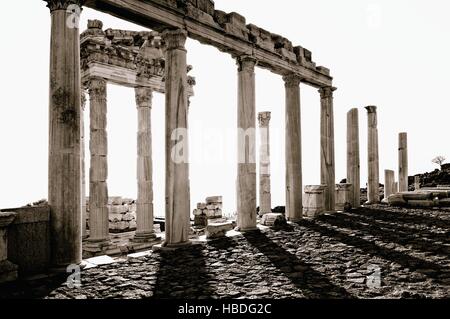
29	240
403	162
273	220
353	157
265	198
334	256
177	170
389	185
343	196
373	195
314	200
396	200
217	230
327	156
293	139
246	125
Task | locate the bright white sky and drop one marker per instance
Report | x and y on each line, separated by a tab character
393	54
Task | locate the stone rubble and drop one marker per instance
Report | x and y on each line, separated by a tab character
122	214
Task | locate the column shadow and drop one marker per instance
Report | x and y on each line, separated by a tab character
372	249
393	233
182	274
313	284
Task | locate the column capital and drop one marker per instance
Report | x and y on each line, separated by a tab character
292	80
143	96
174	39
371	109
327	92
246	63
97	86
264	119
63	4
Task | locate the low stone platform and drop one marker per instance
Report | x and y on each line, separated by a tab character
371	252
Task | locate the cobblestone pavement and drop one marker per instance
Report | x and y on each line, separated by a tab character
374	252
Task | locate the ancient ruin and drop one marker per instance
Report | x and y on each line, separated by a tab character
80	221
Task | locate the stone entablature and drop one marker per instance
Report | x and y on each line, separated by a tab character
128	58
229	32
235	24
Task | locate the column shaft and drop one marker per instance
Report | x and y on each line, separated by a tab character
389	184
265	200
353	159
327	160
144	213
98	175
83	169
294	184
246	179
177	156
373	185
403	162
64	177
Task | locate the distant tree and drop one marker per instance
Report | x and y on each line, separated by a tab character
439	160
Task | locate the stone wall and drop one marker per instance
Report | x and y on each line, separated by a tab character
29	239
122	214
210	210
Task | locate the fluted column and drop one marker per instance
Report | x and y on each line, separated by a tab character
389	184
246	179
265	199
327	160
144	212
353	158
294	184
373	185
64	174
98	174
83	169
403	162
177	156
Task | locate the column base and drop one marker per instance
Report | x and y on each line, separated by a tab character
144	237
8	271
171	247
294	220
246	230
96	248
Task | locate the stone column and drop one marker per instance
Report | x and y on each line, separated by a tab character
98	175
8	270
327	165
389	184
64	181
353	159
294	183
144	212
416	183
403	162
83	170
395	187
246	179
177	156
373	185
265	201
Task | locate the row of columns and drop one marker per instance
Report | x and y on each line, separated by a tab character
66	139
353	160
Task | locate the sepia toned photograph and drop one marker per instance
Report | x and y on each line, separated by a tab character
227	157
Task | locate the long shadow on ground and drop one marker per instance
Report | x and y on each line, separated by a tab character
182	274
372	249
388	233
312	283
403	217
